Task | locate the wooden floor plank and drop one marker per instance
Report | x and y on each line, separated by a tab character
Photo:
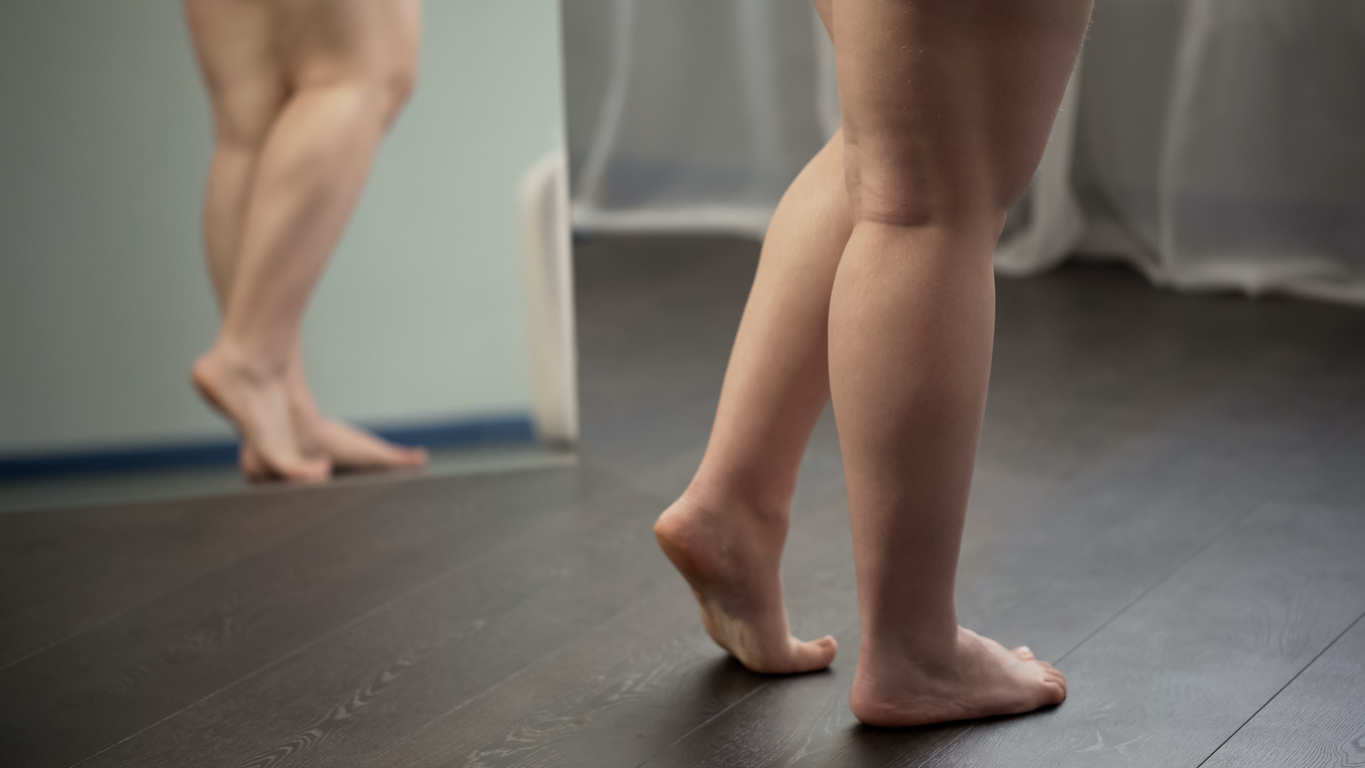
103	685
1318	719
66	571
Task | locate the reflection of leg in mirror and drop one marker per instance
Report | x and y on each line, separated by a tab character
302	91
875	286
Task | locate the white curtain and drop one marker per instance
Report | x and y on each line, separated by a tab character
1210	143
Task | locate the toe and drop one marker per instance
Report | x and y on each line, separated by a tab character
1024	653
812	656
1056	683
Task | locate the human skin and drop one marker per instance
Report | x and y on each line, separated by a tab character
875	289
303	91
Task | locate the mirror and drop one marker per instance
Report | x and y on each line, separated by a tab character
444	317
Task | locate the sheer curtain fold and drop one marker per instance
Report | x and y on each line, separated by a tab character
1213	144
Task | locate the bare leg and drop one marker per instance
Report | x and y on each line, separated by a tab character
727	531
947	106
247	86
278	204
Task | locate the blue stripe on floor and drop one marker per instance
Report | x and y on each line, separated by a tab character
488	430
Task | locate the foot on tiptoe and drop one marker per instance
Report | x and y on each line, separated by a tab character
355	450
732	561
976	678
257	405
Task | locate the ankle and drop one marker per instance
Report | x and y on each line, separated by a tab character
731	500
228	358
922	650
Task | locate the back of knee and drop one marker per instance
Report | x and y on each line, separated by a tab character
906	199
970	188
243	114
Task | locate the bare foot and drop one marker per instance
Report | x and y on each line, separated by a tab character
732	560
348	448
257	405
979	678
359	451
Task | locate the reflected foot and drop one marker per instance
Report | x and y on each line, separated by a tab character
978	678
356	450
732	561
350	450
258	406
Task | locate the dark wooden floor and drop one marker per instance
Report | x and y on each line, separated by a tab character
1169	503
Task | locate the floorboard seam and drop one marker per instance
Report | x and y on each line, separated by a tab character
265	489
475	697
1277	693
704	723
1174	569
